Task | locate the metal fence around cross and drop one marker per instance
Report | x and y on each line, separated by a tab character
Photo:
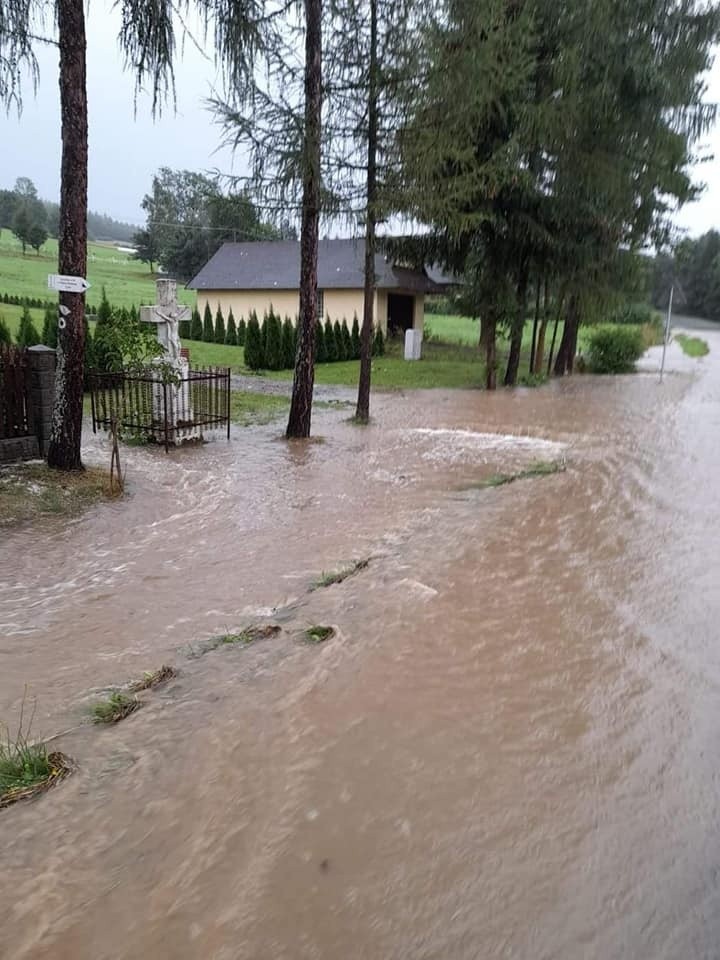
144	405
15	415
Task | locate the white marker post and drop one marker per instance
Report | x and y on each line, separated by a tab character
66	284
667	331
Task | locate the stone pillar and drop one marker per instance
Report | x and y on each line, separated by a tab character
42	393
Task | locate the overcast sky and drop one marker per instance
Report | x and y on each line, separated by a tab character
127	147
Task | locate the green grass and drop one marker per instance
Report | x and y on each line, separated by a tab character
249	409
29	491
126	281
337	576
319	634
153	678
539	468
692	346
241	638
115	708
23	764
216	355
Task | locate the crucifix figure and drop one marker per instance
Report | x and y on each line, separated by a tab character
166	315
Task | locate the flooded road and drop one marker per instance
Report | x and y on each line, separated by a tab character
509	749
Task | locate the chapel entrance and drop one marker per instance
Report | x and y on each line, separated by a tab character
401	313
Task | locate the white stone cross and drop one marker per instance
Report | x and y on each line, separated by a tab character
166	315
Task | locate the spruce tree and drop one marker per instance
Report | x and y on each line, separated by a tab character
208	329
4	332
231	334
347	342
273	343
378	343
219	326
50	327
196	327
288	344
104	311
355	338
339	341
330	343
27	335
253	344
241	330
320	351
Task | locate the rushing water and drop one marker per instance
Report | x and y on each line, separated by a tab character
509	749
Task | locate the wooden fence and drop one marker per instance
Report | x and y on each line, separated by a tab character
15	417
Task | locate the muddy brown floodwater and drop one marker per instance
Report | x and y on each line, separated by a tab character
510	748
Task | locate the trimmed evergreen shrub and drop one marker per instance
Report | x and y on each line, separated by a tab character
50	327
6	299
288	344
320	351
241	330
134	315
339	341
347	342
184	328
254	353
208	329
614	349
263	338
27	335
104	311
196	327
355	336
219	326
330	342
231	333
273	343
4	332
89	361
378	347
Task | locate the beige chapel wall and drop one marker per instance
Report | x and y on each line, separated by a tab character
339	304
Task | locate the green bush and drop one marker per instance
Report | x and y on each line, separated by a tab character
241	331
288	344
254	348
196	327
89	359
231	334
273	342
320	351
50	327
614	349
208	329
27	335
378	347
330	342
4	332
636	314
355	335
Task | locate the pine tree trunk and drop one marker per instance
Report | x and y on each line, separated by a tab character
362	411
489	338
516	333
64	446
568	344
542	333
303	380
536	321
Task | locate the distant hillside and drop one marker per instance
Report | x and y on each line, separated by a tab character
100	225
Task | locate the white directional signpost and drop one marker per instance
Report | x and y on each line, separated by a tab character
66	284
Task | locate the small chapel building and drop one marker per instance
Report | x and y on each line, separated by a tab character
261	274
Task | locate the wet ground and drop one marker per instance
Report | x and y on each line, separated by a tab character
509	749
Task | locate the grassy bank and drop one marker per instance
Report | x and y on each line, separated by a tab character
30	491
248	409
692	346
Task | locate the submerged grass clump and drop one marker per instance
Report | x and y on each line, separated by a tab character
26	767
115	708
241	638
153	678
692	346
539	468
319	634
337	576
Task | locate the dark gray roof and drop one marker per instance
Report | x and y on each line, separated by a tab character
275	265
